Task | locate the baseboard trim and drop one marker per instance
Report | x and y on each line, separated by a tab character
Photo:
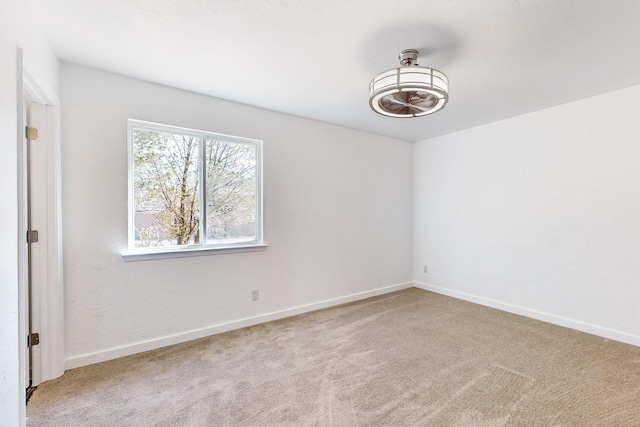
535	314
127	350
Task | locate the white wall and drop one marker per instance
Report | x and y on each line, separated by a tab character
43	65
538	214
338	219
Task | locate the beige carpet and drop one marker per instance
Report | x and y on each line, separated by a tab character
410	358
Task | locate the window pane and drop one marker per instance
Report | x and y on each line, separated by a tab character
230	192
166	188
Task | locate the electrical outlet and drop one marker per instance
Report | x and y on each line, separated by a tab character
255	295
424	268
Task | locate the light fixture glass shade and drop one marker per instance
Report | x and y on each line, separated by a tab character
411	91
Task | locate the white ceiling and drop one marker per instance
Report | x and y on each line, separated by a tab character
315	58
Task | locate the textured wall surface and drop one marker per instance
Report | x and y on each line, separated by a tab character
539	211
337	216
9	356
41	63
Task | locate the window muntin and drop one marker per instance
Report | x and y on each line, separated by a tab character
192	189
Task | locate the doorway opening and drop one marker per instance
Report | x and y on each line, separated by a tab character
40	241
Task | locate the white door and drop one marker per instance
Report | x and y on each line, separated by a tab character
35	167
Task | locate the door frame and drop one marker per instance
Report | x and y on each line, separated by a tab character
47	290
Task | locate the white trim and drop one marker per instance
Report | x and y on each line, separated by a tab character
52	328
113	353
190	251
39	221
37	90
535	314
22	332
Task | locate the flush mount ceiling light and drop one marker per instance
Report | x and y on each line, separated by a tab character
410	90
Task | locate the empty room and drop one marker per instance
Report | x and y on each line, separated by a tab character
308	213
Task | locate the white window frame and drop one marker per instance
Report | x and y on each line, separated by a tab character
139	254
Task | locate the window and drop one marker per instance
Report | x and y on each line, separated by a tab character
192	190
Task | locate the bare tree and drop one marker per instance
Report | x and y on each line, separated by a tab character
230	187
166	180
166	184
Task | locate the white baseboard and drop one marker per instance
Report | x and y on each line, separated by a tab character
127	350
535	314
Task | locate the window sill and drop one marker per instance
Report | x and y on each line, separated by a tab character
183	253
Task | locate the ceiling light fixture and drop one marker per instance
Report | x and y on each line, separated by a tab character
409	90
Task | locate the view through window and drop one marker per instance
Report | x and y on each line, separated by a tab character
191	188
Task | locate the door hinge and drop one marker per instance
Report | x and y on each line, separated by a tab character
31	133
32	236
33	339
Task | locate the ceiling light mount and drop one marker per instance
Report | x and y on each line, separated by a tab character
408	57
409	90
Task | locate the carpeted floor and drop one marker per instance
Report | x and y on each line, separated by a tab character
410	358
